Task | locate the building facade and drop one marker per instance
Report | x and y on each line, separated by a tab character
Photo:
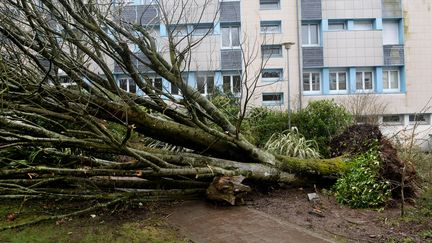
373	55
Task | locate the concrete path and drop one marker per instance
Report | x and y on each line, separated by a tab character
204	223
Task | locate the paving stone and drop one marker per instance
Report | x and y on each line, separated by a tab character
206	223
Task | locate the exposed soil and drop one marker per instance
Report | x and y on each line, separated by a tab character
339	222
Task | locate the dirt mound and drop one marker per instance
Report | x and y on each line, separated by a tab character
360	138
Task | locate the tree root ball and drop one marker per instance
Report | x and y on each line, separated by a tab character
360	138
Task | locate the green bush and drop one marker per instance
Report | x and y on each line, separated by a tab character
263	123
321	120
361	187
292	143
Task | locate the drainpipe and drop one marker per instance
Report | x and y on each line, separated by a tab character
300	54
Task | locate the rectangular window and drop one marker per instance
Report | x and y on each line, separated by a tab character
390	33
128	85
270	27
271	75
338	82
202	29
392	120
230	37
363	25
157	83
272	98
269	4
335	26
311	82
271	50
174	89
178	30
364	81
310	34
231	84
420	119
205	84
391	80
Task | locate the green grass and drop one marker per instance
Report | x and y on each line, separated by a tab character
132	225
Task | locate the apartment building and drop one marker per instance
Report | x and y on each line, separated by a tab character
286	53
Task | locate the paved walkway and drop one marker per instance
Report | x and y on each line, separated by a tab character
204	223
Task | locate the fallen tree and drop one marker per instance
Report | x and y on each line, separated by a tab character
62	140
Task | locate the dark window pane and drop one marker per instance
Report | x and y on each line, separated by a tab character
201	85
272	97
226	84
235	36
306	82
210	85
132	86
333	81
236	83
123	83
174	89
342	81
158	84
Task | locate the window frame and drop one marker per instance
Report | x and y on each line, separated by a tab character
344	26
309	44
268	23
272	79
357	22
272	102
231	46
310	73
231	84
363	90
338	90
271	55
268	5
393	123
128	85
389	80
412	117
206	81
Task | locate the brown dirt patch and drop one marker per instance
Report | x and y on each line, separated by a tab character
338	221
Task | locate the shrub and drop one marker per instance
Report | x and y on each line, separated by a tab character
320	121
361	187
263	123
292	143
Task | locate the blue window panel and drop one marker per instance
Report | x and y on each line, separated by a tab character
401	32
352	79
350	24
163	30
166	85
378	24
326	81
402	78
324	25
216	28
191	79
218	80
379	79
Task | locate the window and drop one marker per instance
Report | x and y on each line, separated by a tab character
363	25
334	26
205	84
157	83
421	119
390	33
269	4
231	84
338	82
272	98
174	89
364	81
271	50
391	80
202	29
270	26
392	120
310	35
230	37
311	82
271	75
127	85
178	30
